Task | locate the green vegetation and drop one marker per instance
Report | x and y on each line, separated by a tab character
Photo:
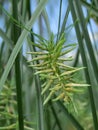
46	81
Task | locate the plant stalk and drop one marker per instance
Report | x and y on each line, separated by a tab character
16	33
83	55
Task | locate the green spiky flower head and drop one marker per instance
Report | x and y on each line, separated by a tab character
56	76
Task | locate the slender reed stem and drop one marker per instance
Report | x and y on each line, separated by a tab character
38	88
39	103
76	59
59	20
85	64
16	32
65	20
70	116
87	38
55	116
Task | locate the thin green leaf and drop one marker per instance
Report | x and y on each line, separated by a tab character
20	42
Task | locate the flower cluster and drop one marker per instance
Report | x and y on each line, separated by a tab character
57	77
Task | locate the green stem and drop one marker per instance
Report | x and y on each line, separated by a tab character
87	38
55	116
16	33
90	7
65	20
20	40
59	20
85	64
70	116
38	88
76	59
39	99
93	37
39	103
1	53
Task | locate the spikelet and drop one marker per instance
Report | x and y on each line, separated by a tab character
57	77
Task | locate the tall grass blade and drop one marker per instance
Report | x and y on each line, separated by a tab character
59	22
65	20
83	55
87	39
70	116
20	42
16	33
90	7
55	115
6	39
